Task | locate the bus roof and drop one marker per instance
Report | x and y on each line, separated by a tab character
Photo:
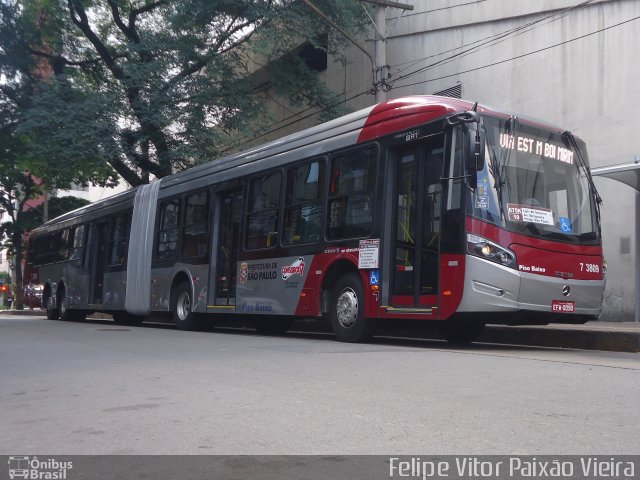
361	126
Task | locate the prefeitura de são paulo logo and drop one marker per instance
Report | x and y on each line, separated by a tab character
296	268
38	469
244	272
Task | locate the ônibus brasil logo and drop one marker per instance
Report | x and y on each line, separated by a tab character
35	469
296	268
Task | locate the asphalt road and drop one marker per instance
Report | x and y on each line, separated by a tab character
98	388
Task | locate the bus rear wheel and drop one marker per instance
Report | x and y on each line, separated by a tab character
69	315
181	307
346	310
52	313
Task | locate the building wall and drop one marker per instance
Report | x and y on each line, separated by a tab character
588	85
92	193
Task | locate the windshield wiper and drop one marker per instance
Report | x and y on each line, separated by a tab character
500	170
570	140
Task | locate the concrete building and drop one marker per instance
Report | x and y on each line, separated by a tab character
571	62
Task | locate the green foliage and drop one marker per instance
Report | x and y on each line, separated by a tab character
95	89
57	206
145	87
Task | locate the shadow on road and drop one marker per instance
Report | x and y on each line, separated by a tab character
427	338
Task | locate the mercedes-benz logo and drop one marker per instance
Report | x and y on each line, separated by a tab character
566	290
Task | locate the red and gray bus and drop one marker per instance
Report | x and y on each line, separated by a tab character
425	208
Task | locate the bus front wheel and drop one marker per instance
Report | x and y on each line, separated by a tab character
346	310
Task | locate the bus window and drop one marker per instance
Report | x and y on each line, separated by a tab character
54	247
194	232
303	205
351	194
77	243
63	248
262	215
167	246
118	241
32	251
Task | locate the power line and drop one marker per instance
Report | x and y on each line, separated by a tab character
320	110
269	132
475	2
523	55
499	36
492	39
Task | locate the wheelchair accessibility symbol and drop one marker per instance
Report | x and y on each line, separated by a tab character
565	224
374	277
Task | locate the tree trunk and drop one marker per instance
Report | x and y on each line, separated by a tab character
18	294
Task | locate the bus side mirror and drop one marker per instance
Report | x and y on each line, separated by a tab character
476	142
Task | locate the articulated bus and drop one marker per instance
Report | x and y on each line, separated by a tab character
424	208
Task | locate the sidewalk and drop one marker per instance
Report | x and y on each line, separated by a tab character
608	336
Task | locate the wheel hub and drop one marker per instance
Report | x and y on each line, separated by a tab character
183	306
347	308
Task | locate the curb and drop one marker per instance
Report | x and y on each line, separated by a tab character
582	337
40	313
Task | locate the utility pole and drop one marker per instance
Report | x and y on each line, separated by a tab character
380	24
45	204
382	69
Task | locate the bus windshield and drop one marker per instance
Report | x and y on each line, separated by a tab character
534	183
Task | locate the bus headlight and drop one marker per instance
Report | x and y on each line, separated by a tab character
604	267
483	248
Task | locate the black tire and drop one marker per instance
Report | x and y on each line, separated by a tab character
121	317
181	307
52	313
67	314
346	310
272	325
461	332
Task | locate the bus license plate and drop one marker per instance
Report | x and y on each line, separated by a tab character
561	306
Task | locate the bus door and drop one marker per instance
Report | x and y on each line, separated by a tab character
417	206
228	218
97	261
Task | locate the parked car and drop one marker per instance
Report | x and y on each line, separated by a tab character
32	296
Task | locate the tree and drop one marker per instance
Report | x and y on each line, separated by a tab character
93	89
25	170
152	87
34	217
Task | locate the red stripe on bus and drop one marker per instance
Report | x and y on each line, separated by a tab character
403	113
544	257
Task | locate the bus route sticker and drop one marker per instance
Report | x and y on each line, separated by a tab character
529	214
369	253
